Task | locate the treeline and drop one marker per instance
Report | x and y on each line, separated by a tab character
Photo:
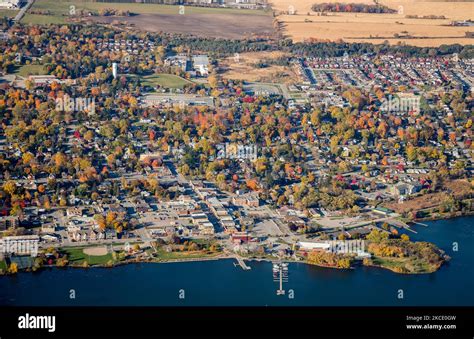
113	12
329	259
219	47
222	47
432	17
339	7
333	49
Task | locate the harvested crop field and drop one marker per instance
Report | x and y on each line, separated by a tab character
305	24
228	26
210	22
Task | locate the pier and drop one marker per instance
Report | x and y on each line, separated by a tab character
400	224
241	263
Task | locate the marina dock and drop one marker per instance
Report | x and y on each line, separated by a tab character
400	224
241	263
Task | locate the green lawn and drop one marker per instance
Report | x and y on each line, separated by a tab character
130	242
61	9
7	13
184	255
164	80
27	70
77	256
410	265
202	241
39	19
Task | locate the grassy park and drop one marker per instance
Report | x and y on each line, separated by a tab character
165	80
7	13
41	19
27	70
163	255
76	256
405	265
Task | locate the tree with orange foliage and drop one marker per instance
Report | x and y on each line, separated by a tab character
252	184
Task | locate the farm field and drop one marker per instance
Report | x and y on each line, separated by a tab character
376	28
199	21
62	7
227	26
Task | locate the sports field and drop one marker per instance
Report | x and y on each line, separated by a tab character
76	255
164	80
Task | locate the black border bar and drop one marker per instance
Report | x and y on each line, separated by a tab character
290	322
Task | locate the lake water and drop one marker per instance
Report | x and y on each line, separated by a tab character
220	283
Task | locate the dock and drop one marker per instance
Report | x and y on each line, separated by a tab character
411	230
400	224
241	263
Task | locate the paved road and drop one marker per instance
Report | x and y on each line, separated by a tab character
23	10
361	223
104	242
128	176
144	236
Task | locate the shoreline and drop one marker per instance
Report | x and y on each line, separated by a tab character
230	256
217	258
444	217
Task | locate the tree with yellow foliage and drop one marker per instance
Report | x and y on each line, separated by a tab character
13	269
10	187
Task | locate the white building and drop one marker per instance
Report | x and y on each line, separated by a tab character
201	64
114	70
320	245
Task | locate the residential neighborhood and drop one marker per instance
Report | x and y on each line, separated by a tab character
112	138
164	161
